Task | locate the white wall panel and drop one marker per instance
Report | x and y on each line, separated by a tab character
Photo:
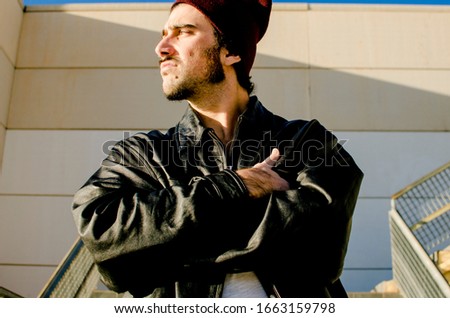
2	143
364	280
370	246
35	230
52	162
27	281
64	159
391	161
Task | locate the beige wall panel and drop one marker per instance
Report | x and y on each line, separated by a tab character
90	39
338	38
2	144
289	97
411	100
286	41
94	99
53	162
35	230
380	39
6	81
11	14
26	281
128	39
126	98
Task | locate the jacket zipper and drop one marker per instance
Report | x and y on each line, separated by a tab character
223	147
219	143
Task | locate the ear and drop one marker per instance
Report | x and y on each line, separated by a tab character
229	58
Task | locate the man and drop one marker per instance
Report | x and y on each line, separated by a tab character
232	202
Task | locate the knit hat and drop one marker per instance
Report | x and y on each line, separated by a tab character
242	23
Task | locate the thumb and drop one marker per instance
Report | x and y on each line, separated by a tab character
273	158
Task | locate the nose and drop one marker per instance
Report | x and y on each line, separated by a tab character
164	47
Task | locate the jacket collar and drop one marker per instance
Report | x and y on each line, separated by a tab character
190	130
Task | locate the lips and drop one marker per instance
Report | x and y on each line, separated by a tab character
166	65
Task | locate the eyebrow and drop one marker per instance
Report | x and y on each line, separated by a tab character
180	26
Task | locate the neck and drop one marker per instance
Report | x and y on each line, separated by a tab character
221	110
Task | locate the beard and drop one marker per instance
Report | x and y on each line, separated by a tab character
191	85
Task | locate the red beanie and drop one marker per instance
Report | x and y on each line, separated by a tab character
241	22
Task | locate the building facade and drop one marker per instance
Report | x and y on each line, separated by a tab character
76	78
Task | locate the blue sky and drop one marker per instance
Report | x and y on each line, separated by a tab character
418	2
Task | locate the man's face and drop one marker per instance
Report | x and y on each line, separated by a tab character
189	54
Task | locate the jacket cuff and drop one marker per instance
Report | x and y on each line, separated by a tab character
227	185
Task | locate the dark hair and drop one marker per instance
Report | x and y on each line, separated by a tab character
242	77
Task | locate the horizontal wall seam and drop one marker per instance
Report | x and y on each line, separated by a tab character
28	265
275	7
305	67
45	195
145	129
367	268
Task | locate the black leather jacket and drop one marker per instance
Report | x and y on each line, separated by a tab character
167	216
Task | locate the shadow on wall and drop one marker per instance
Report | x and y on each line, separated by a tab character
78	72
63	80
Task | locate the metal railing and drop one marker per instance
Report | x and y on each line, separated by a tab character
6	293
420	226
75	277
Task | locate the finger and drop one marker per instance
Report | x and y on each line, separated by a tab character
273	158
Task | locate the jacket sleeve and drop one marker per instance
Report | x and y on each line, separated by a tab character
319	230
303	236
328	183
142	233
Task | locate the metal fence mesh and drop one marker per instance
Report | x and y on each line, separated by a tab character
420	228
75	277
425	208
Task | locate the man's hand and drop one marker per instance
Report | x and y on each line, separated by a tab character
261	180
